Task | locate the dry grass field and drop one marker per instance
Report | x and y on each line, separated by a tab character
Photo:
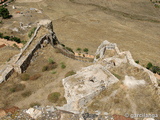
133	25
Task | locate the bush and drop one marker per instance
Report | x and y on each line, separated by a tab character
1	35
35	104
17	87
85	50
63	45
63	65
44	68
23	42
70	73
79	49
54	97
31	32
6	37
155	69
70	49
15	45
53	72
26	93
52	66
4	13
51	61
149	65
18	40
49	67
98	56
35	77
24	77
137	61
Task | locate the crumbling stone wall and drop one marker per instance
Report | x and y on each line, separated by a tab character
21	61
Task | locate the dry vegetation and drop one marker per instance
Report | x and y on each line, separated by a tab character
133	25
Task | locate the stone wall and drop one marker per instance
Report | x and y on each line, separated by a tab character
21	61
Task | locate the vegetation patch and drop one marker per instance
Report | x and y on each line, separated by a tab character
70	73
63	65
4	13
35	77
53	72
117	76
31	32
26	93
24	77
154	69
50	66
35	104
54	97
69	49
85	50
17	87
11	38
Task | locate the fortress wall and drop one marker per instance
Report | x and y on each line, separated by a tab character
6	73
24	61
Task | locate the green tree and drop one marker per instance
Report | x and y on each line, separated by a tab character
16	39
85	50
155	69
1	35
6	37
149	65
4	13
79	49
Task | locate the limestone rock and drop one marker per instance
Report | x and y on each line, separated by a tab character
86	84
34	113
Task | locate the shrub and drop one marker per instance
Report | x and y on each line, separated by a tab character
53	72
54	97
18	40
63	45
17	87
149	65
70	49
16	46
35	77
6	37
26	93
31	32
52	66
155	69
49	67
98	56
79	49
137	61
44	68
35	104
63	66
24	77
23	42
4	13
70	73
85	50
51	61
1	35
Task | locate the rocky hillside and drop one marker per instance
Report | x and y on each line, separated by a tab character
113	85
